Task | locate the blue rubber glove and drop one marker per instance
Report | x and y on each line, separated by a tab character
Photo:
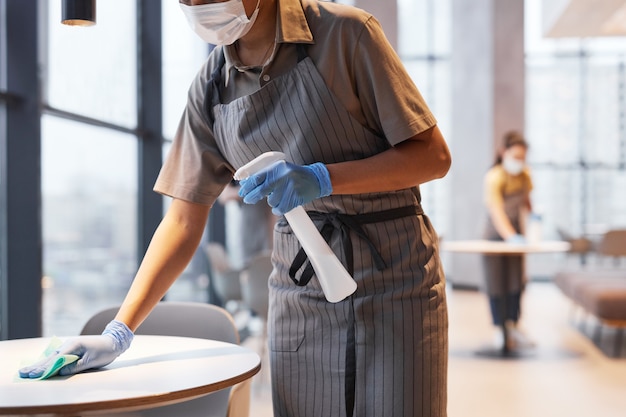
286	185
516	240
93	351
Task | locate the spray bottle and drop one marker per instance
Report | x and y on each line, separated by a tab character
335	281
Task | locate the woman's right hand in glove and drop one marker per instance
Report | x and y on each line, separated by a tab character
93	351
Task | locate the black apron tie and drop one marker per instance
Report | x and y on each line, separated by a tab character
345	223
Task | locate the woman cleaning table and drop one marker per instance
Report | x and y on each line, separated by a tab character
507	196
319	82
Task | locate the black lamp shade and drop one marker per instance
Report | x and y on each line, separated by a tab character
79	12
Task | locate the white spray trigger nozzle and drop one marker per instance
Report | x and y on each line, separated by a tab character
257	164
336	282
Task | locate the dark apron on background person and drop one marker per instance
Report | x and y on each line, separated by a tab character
382	351
504	274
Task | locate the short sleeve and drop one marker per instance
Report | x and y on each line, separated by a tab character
389	97
194	169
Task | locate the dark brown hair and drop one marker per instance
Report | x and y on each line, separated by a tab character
510	139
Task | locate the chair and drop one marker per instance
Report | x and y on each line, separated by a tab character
613	244
254	284
225	278
188	319
255	292
601	292
578	245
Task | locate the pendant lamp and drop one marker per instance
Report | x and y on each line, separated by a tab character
79	12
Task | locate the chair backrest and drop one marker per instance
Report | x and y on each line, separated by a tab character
254	284
218	258
613	243
174	318
187	319
580	245
564	234
224	277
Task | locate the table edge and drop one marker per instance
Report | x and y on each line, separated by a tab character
129	404
456	246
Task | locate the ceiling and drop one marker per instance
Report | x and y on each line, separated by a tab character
584	18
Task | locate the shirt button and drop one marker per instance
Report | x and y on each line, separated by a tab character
266	78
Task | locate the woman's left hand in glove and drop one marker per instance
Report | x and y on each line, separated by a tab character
287	185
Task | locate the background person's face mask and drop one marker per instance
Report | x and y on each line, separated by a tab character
220	23
513	165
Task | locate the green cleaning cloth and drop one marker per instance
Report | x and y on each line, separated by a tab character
53	367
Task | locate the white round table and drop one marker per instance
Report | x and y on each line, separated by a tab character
154	371
502	248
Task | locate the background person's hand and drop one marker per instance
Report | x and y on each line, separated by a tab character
93	351
516	239
286	185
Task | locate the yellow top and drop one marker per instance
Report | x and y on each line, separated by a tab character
499	184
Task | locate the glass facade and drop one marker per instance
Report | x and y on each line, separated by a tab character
183	55
89	206
98	82
90	157
424	47
576	125
3	216
89	173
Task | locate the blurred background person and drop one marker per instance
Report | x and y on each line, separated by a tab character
507	188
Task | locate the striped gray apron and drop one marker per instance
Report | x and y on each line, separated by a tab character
382	351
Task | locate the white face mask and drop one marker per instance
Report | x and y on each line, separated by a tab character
220	23
512	165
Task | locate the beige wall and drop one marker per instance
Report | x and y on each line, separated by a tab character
488	99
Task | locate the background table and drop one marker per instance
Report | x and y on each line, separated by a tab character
154	371
493	247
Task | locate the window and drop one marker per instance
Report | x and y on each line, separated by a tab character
183	55
3	130
576	125
90	164
424	47
89	172
93	71
89	202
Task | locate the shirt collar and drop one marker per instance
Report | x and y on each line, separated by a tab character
292	27
292	24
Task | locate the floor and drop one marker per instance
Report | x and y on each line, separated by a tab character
566	375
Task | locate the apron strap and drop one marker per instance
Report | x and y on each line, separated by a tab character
212	91
302	53
346	223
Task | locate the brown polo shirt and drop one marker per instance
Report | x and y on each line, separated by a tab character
353	56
